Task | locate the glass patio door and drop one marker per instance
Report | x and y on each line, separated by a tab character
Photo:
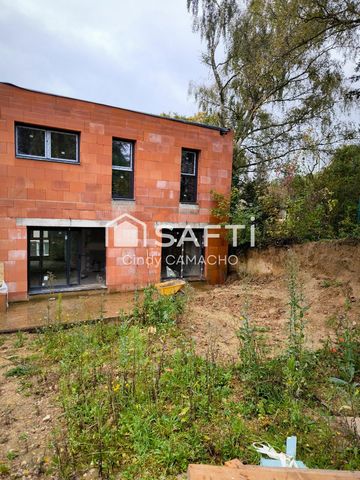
184	260
73	249
53	258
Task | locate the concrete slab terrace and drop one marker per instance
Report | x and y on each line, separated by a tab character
43	310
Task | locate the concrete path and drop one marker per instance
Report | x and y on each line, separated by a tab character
72	308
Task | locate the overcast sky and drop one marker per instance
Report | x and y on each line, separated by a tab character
137	54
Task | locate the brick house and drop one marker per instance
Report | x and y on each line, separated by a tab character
78	177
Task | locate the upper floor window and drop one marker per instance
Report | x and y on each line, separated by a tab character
122	169
46	144
189	167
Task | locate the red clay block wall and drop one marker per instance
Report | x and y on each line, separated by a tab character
49	190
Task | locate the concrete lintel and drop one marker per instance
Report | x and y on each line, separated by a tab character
60	222
180	225
189	206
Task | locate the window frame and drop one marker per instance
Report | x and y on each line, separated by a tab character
195	174
124	169
47	144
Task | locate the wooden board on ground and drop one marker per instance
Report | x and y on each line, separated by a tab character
252	472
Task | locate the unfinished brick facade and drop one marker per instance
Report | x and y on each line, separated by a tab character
34	191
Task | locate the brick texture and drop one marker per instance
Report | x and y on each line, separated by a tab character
49	190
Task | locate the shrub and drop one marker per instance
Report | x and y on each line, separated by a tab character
298	206
157	309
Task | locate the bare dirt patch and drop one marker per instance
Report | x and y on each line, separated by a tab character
330	276
27	412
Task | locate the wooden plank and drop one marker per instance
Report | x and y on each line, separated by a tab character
252	472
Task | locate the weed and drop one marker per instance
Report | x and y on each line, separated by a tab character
157	309
280	385
252	366
12	454
58	309
297	310
24	437
137	396
135	387
138	402
250	352
4	469
21	370
327	283
20	340
346	364
295	360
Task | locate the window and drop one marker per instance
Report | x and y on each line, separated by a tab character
45	144
188	186
35	244
122	169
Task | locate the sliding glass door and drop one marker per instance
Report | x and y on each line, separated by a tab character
54	258
183	259
74	258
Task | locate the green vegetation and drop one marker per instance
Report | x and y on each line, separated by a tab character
200	117
4	469
12	454
273	76
21	370
300	207
327	283
275	82
137	400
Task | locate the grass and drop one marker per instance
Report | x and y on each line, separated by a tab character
4	470
21	370
12	454
327	283
138	403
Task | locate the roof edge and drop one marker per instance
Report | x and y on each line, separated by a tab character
222	130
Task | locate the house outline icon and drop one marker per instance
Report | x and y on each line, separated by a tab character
131	230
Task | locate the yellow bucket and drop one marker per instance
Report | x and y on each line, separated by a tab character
170	287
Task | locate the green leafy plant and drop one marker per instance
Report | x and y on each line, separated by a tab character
138	402
20	370
20	340
347	364
12	454
157	309
4	469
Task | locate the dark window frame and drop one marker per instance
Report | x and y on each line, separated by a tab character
199	233
47	144
197	155
125	169
40	258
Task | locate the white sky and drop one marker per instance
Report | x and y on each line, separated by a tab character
137	54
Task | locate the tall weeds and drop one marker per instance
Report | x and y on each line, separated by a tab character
139	403
134	396
295	357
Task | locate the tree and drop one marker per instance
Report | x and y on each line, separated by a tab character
342	178
277	77
199	117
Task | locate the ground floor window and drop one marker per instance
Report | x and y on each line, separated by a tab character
65	257
182	259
